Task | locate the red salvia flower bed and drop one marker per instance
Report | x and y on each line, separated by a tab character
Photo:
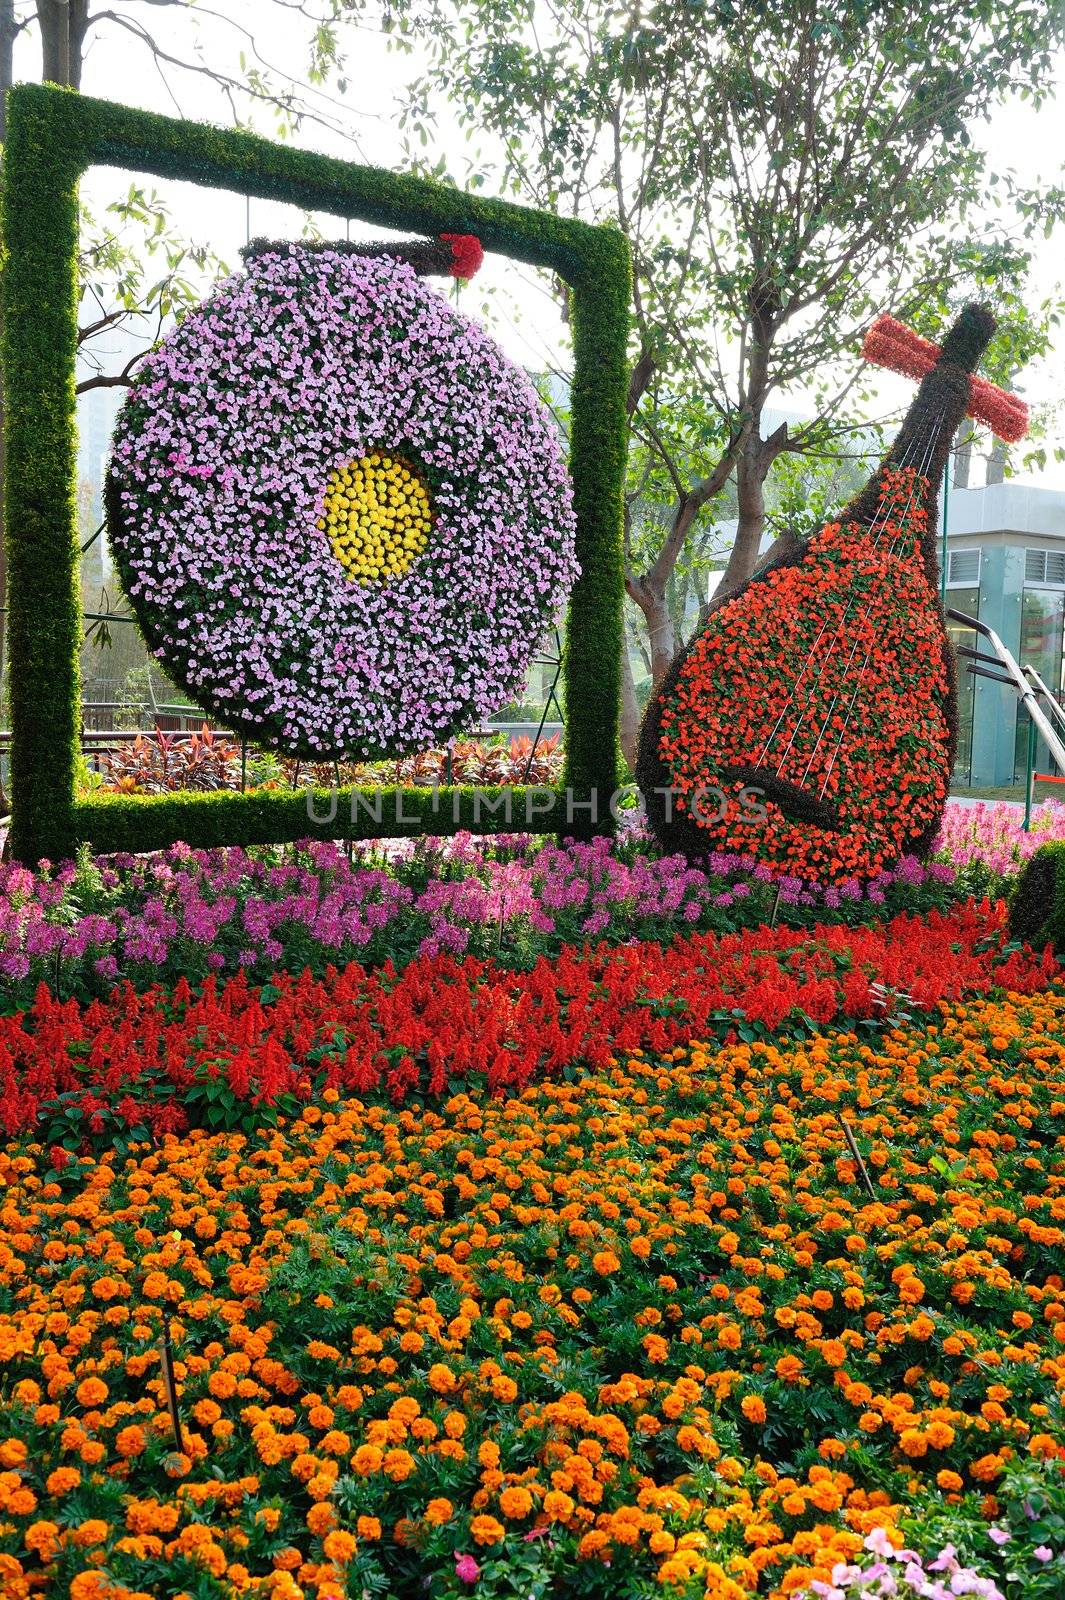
143	1059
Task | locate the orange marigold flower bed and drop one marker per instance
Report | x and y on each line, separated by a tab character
646	1328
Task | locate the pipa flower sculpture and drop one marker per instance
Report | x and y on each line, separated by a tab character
811	722
342	515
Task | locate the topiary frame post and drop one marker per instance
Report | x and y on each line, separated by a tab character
54	135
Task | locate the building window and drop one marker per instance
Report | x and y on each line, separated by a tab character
1045	566
963	568
1042	628
967	601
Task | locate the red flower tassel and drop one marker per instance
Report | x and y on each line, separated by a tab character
466	253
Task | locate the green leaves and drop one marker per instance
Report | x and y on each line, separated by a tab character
116	259
212	1102
948	1169
826	149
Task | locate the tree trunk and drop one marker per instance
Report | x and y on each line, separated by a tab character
649	594
63	25
7	52
53	17
79	27
630	710
963	455
663	639
750	526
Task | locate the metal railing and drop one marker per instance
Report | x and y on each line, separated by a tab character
1012	674
1040	687
182	723
106	715
1002	667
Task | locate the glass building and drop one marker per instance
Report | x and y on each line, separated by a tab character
1005	565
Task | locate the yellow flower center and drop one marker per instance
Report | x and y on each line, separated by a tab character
377	517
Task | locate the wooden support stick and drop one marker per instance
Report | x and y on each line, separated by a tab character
166	1354
863	1172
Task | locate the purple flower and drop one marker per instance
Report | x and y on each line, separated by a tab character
301	364
218	911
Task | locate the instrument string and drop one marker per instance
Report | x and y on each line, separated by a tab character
899	536
880	522
881	517
858	684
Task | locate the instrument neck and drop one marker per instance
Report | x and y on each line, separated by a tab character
924	441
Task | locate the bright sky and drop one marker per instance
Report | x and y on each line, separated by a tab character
518	308
510	297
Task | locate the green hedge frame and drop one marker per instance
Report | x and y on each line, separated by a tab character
54	135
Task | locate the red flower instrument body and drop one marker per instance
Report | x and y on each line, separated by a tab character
811	721
769	697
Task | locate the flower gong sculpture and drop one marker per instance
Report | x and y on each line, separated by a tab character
342	515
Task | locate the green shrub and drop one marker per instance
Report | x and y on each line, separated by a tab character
1037	906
